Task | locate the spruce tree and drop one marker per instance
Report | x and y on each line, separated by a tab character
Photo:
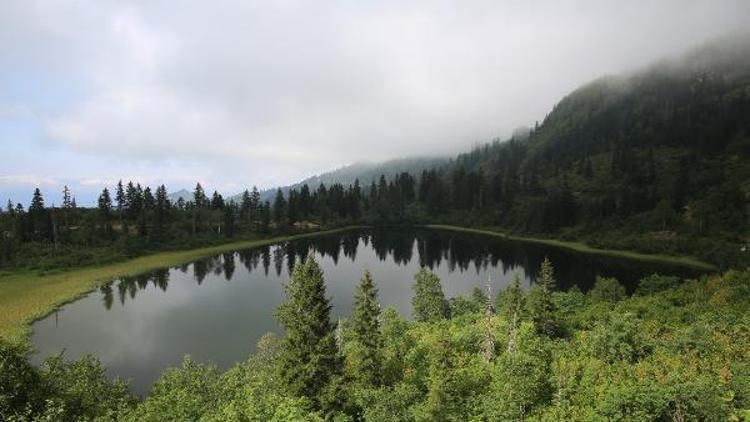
428	302
308	358
541	305
37	201
161	209
120	199
279	207
366	329
104	212
255	206
245	206
513	300
199	196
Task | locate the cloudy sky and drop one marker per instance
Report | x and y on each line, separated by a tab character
237	93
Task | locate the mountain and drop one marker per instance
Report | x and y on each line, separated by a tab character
185	194
365	172
656	160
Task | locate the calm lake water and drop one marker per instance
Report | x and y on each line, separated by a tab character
216	309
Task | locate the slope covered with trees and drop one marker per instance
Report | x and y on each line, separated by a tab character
654	161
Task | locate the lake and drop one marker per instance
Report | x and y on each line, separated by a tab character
215	309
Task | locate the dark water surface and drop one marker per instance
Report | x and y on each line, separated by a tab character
215	309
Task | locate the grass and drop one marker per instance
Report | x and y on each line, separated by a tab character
684	261
27	296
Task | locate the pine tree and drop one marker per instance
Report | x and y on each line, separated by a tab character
279	207
149	202
40	221
120	199
308	358
428	302
229	219
366	327
37	202
199	196
217	201
512	300
245	206
541	305
161	210
104	212
255	206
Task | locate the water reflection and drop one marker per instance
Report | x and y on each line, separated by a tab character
217	308
459	252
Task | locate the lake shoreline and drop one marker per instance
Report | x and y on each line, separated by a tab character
28	297
683	261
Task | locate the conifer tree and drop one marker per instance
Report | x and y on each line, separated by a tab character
541	305
199	196
366	328
37	201
308	357
254	205
229	216
120	199
149	202
217	201
428	302
104	212
161	210
245	206
513	300
279	207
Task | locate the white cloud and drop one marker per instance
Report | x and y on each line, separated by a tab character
27	180
244	92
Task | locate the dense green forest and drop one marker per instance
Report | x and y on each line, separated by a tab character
654	161
676	350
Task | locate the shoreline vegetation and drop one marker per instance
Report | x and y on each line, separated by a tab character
29	296
580	247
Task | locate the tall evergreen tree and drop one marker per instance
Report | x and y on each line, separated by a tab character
161	211
199	196
428	302
279	207
37	201
120	199
308	357
104	212
541	305
366	328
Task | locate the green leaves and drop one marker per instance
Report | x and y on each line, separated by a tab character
308	357
428	303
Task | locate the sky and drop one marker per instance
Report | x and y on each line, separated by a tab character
240	93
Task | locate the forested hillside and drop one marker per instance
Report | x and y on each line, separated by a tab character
654	160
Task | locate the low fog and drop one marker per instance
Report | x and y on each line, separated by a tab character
237	93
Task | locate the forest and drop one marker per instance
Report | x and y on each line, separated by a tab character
673	350
657	162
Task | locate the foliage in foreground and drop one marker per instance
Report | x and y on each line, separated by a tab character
672	351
